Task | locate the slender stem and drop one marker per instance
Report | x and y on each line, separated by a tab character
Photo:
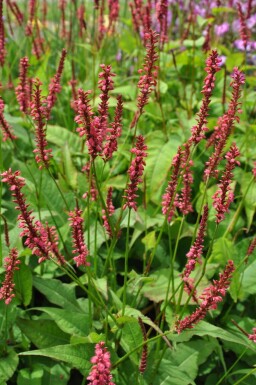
126	262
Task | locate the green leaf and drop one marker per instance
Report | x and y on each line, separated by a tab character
28	377
77	355
158	163
72	322
61	136
248	283
23	283
207	329
42	332
131	336
249	197
56	292
69	168
222	251
8	365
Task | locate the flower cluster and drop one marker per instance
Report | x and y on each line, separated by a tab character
38	113
252	337
183	202
224	196
105	84
169	199
135	172
100	372
80	248
161	14
22	90
210	298
114	132
2	36
54	86
11	264
110	210
41	240
196	249
148	78
244	32
6	128
225	124
212	66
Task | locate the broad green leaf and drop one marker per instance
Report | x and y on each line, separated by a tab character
71	322
207	329
8	364
28	377
78	355
61	136
43	332
222	251
55	375
249	197
248	283
56	292
131	336
69	171
23	283
158	163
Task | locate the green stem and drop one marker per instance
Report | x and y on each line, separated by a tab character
126	263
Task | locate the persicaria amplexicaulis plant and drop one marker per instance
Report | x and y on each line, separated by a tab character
129	239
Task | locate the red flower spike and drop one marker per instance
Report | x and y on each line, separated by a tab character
38	112
22	90
161	14
80	248
212	66
224	196
114	132
6	128
225	125
54	86
100	372
135	172
169	199
244	31
11	264
110	210
184	200
41	240
105	84
2	36
211	296
195	252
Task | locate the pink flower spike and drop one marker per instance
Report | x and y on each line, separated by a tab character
22	90
100	372
135	172
80	248
110	211
252	337
106	84
54	86
11	264
149	73
43	241
114	132
212	66
211	296
244	31
224	196
196	249
38	113
6	128
169	199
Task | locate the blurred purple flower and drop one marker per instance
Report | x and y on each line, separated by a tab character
251	21
221	29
